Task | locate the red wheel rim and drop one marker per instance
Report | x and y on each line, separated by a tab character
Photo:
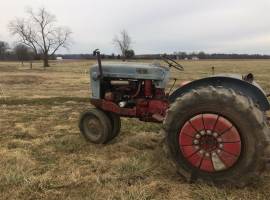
210	142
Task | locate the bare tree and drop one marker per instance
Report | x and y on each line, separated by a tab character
3	49
123	42
40	32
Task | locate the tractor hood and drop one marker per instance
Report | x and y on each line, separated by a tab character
130	70
125	71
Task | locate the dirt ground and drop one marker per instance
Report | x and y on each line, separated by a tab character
43	155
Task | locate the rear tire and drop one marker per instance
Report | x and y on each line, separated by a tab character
247	141
95	126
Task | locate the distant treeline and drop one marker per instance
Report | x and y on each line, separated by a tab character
21	54
182	56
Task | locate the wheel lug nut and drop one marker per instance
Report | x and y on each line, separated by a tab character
207	154
196	141
197	147
220	145
201	151
213	153
209	132
215	134
198	136
218	151
202	132
219	140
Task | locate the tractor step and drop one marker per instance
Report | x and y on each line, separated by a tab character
158	117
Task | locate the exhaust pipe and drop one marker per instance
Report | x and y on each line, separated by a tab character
97	53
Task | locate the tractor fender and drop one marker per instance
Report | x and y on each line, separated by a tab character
232	81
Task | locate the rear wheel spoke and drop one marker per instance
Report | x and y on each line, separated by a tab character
193	154
214	127
193	126
235	155
187	135
201	162
203	123
230	142
187	145
226	131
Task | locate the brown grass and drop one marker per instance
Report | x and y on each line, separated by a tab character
43	155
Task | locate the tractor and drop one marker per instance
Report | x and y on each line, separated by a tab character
216	128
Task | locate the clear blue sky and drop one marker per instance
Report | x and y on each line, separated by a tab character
156	26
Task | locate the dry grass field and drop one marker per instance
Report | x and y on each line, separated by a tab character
43	155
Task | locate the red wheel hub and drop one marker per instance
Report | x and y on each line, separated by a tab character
210	142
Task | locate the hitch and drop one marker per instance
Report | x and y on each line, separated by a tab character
248	78
96	52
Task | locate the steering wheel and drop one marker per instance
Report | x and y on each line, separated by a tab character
172	63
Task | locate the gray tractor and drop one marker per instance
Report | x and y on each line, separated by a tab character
216	127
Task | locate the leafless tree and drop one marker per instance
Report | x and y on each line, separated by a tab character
123	42
40	32
3	49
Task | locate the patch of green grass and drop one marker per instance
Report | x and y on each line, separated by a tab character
137	194
212	192
18	143
206	192
44	155
135	168
15	167
145	141
43	101
133	126
67	144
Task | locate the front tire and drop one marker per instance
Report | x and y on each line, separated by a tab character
116	124
95	126
217	135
